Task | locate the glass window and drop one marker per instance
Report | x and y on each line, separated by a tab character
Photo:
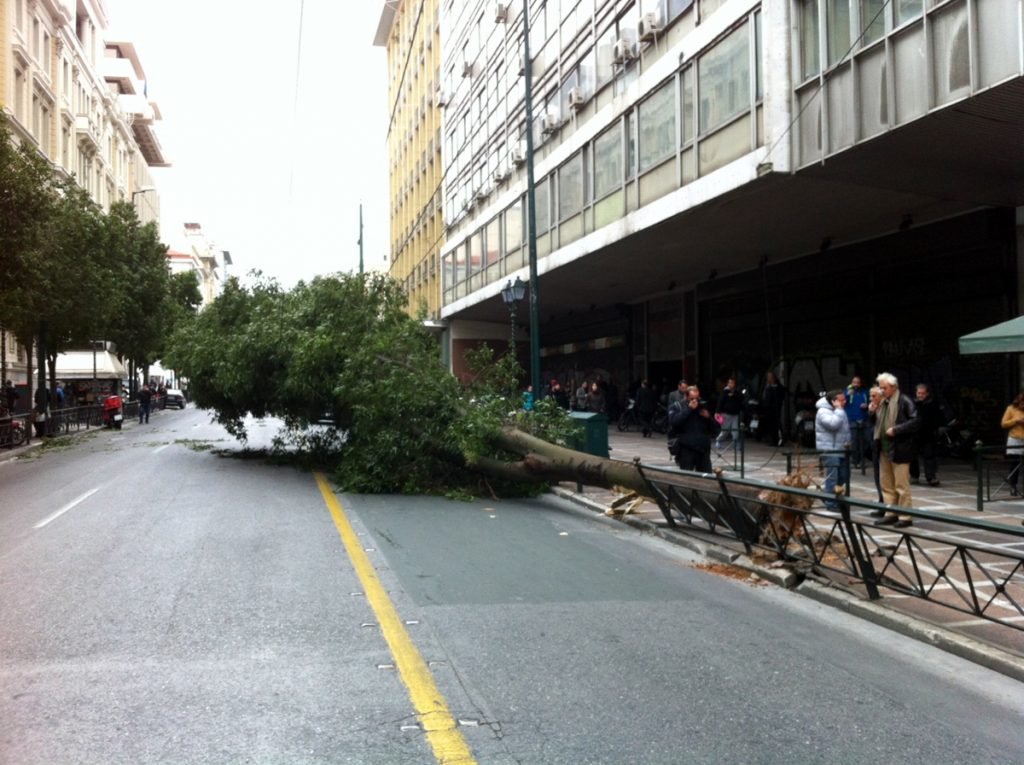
837	20
460	263
658	126
475	247
724	80
689	129
514	226
758	56
872	18
810	59
493	241
608	162
605	50
587	73
570	187
907	10
542	196
676	7
571	81
630	145
707	7
446	272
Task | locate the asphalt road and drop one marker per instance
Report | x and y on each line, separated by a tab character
163	604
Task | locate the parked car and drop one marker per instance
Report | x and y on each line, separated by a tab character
175	397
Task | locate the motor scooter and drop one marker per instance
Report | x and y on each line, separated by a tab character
113	412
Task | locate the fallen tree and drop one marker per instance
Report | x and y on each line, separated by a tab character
342	351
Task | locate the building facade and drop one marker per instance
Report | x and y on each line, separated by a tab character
81	101
821	187
410	31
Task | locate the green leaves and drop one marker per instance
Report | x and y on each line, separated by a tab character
343	349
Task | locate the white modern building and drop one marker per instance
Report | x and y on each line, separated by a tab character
818	186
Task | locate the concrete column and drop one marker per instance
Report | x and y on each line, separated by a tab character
777	37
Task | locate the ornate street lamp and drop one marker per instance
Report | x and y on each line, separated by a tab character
512	293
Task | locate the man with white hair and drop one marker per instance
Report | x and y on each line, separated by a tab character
895	423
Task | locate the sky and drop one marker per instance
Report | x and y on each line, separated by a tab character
274	174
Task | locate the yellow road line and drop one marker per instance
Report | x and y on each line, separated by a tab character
445	739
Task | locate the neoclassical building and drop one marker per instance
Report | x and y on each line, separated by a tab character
80	99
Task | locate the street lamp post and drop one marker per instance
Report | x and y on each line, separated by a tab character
531	212
511	295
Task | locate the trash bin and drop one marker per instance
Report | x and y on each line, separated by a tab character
593	433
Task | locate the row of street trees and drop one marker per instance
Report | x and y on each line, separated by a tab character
71	273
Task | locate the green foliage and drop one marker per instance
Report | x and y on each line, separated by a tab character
343	350
70	273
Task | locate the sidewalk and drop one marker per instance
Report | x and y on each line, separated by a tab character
979	640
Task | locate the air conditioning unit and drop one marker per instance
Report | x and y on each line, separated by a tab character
576	99
501	175
481	194
522	65
623	51
550	123
501	13
650	26
440	99
467	68
517	156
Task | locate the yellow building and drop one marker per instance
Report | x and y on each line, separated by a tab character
410	31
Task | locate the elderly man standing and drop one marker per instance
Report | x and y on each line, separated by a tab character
895	425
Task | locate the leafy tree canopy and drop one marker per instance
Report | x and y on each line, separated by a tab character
343	349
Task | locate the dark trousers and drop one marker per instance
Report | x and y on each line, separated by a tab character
925	452
694	459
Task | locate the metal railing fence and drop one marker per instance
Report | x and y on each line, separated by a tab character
940	558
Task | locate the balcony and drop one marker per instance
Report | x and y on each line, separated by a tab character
87	131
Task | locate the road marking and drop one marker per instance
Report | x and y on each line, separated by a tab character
442	731
160	449
68	506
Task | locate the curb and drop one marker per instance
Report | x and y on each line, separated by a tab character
972	650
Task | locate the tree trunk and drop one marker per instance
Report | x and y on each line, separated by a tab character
543	461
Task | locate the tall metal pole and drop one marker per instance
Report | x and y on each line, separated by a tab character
531	212
360	238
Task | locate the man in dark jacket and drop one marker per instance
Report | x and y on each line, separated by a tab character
691	428
929	412
646	404
145	397
895	423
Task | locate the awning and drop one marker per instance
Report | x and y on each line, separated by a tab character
78	365
1007	337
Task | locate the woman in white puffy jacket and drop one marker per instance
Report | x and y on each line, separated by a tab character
832	434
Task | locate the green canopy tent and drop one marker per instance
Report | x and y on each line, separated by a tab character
1006	337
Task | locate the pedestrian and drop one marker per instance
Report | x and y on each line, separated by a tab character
559	394
895	425
874	401
832	435
11	395
929	414
595	399
772	400
857	400
59	392
730	407
646	403
691	428
581	396
679	394
1013	423
145	397
528	399
41	411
